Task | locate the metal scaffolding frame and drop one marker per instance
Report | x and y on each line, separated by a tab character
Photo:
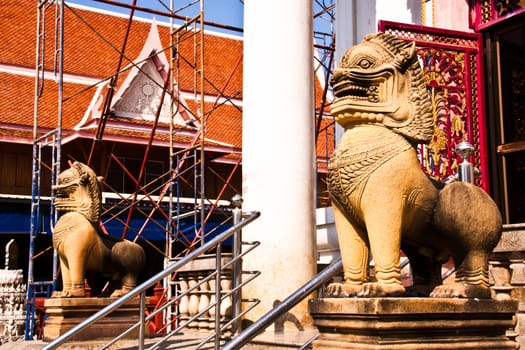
51	140
183	163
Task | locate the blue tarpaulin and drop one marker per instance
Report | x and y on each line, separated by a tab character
19	222
155	229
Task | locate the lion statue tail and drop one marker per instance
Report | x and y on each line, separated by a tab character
467	215
129	255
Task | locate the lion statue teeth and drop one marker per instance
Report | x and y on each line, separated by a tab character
383	202
77	238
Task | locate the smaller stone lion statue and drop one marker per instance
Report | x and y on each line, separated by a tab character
79	242
383	202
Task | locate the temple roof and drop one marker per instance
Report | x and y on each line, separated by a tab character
93	41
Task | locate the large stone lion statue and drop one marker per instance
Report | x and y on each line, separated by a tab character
79	242
383	202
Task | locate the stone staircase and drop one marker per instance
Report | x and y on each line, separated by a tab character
508	272
289	339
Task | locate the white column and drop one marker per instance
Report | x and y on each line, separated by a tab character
278	149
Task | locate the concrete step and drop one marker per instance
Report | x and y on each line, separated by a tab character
289	339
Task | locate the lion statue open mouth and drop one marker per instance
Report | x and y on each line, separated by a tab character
383	202
78	241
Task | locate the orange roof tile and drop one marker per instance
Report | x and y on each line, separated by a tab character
92	41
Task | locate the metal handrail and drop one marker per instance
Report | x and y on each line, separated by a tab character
181	326
271	316
309	342
215	305
140	290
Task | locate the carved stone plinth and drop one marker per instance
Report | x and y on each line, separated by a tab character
65	313
413	323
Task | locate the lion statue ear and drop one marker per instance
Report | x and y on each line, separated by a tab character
82	174
405	58
100	179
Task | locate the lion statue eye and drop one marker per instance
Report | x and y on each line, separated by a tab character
364	63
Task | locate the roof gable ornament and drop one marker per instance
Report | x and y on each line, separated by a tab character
139	96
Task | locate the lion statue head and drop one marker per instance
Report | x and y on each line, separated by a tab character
380	81
78	190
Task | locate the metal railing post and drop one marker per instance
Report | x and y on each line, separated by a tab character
466	170
237	265
142	315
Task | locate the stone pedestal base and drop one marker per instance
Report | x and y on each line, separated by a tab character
413	323
65	313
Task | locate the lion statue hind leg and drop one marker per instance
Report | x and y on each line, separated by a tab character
129	259
470	219
426	271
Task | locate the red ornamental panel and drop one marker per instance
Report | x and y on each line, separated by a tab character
452	68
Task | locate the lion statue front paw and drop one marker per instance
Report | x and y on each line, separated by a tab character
342	290
459	290
378	289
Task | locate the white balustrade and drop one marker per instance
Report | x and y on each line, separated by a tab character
201	297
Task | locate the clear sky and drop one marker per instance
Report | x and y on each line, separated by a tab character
228	12
225	12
